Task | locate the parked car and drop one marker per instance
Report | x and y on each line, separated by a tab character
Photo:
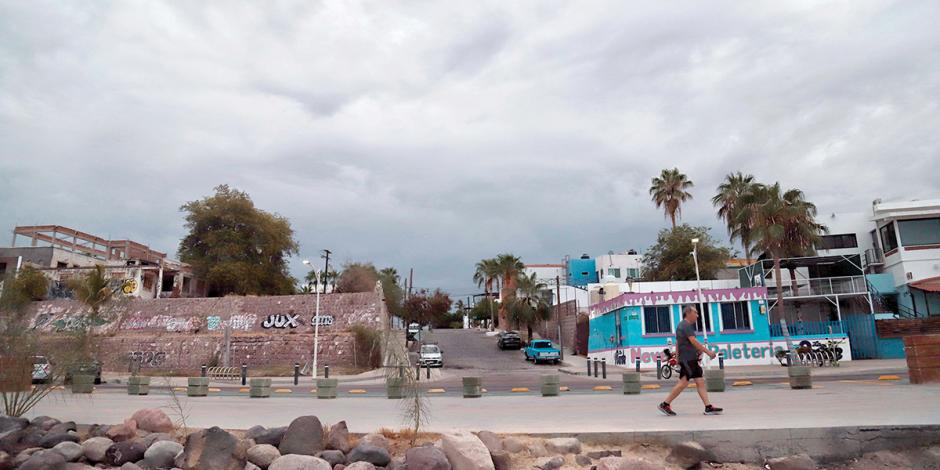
509	340
414	330
431	355
86	368
42	369
542	350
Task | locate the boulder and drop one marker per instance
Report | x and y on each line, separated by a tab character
501	460
491	441
304	436
397	463
8	424
130	466
78	466
63	427
209	449
299	462
883	460
599	454
271	436
6	462
513	445
375	455
44	422
95	448
23	456
72	451
688	454
122	432
51	440
97	430
125	451
263	454
426	458
550	463
333	457
563	445
627	463
156	437
374	439
251	466
537	449
162	454
582	460
254	431
466	451
339	466
792	462
360	466
152	420
338	438
44	460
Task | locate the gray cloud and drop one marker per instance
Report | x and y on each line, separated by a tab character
431	134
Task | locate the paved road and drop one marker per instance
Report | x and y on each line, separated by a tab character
473	350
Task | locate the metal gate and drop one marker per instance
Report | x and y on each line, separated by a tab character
862	336
583	331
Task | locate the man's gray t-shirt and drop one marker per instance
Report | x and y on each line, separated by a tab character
687	351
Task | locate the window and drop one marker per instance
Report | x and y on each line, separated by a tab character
702	316
633	273
615	272
889	239
657	319
835	242
919	232
734	316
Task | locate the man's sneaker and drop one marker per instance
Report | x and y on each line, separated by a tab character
713	410
665	409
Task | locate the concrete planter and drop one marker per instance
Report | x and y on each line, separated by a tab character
800	377
472	387
197	387
137	385
326	388
550	385
83	383
715	380
394	388
631	383
259	388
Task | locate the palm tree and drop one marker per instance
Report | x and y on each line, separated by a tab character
510	268
668	191
485	276
391	273
727	200
780	222
94	290
526	306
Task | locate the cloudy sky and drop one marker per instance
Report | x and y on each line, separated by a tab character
432	134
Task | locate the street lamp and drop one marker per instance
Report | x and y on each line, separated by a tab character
698	285
316	324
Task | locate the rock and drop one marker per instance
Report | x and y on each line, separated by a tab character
23	456
63	427
162	454
792	462
50	440
209	449
552	463
125	451
251	466
397	463
95	448
241	449
122	432
98	430
537	449
360	466
491	441
338	438
254	431
152	420
44	422
501	460
599	454
271	436
627	463
466	452
563	445
8	423
44	460
78	466
72	451
582	460
131	466
333	457
374	439
426	458
156	437
304	436
6	462
263	454
299	462
339	467
882	460
688	454
369	453
513	445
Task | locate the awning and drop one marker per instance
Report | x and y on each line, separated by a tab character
929	285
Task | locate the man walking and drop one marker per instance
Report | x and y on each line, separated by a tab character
689	350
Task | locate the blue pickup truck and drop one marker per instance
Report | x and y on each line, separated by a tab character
542	350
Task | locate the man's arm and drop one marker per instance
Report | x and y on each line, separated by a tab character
701	347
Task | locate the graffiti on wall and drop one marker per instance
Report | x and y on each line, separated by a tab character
242	322
162	322
323	320
148	358
213	322
281	321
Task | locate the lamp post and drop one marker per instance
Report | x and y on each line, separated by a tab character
316	325
698	285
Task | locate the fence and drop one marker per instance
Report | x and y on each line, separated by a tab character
821	286
225	373
809	328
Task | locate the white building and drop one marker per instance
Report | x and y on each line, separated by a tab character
623	266
909	238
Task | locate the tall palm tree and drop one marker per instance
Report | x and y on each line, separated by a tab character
668	191
525	306
510	268
727	200
780	222
486	276
391	273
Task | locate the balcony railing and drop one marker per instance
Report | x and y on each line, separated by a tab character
874	257
820	286
809	328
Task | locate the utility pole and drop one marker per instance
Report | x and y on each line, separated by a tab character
411	281
561	339
326	268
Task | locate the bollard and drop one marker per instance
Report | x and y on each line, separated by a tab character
551	385
638	366
428	369
393	387
715	380
631	383
604	368
137	385
800	377
202	370
326	372
659	369
197	387
418	372
589	366
260	388
595	367
472	387
721	361
296	373
244	373
326	388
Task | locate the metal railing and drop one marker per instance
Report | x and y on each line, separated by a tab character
874	256
821	286
224	373
803	328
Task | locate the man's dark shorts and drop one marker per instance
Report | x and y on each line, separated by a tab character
690	370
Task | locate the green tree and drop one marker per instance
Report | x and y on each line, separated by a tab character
526	306
483	310
670	259
728	202
668	191
357	277
237	248
428	308
486	276
394	294
326	279
18	290
510	268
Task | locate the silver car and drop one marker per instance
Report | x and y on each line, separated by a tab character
42	369
431	355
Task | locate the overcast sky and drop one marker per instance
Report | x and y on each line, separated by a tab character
433	134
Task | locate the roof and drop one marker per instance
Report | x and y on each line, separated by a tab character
931	284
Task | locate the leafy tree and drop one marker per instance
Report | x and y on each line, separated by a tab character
394	294
526	306
18	290
357	277
428	308
483	310
728	201
487	276
670	259
509	268
237	248
668	191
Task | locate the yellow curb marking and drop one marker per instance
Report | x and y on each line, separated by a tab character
215	389
357	391
818	386
889	377
313	390
742	383
436	390
179	389
602	388
283	390
650	387
482	390
692	385
564	389
519	390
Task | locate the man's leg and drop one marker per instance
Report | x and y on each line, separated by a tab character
680	386
702	393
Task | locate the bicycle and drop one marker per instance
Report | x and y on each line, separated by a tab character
671	365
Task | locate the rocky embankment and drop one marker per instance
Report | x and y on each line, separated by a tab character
148	440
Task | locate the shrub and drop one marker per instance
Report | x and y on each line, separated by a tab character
367	351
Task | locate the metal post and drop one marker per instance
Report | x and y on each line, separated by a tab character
203	370
721	360
326	372
637	365
698	284
296	373
316	323
595	367
418	372
604	367
244	373
428	369
589	366
659	369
